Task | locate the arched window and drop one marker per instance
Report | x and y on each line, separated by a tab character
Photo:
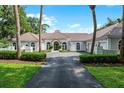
48	45
119	45
78	46
56	45
64	46
33	45
14	44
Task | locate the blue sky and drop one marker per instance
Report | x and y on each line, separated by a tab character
74	18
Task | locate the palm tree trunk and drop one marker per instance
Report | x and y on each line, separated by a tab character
16	13
94	33
40	32
122	41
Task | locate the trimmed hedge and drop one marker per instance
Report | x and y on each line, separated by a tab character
29	56
99	58
7	54
33	56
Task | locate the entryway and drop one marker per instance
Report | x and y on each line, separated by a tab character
56	46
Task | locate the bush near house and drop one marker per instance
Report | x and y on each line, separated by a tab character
99	58
7	54
33	56
29	56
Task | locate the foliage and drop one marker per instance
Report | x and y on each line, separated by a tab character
33	56
110	22
34	23
7	54
7	21
4	43
110	77
16	75
29	56
44	27
51	47
99	58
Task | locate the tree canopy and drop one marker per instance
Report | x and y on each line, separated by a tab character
7	22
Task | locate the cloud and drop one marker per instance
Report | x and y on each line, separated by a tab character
33	15
50	20
74	25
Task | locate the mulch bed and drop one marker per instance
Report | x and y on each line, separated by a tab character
20	62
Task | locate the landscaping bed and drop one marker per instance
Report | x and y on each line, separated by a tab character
16	75
109	75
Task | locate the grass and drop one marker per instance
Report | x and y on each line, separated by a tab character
16	75
109	77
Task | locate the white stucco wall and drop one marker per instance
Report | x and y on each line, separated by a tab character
103	43
114	44
74	48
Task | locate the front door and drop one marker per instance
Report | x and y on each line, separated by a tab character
56	45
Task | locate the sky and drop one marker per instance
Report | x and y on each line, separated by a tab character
74	18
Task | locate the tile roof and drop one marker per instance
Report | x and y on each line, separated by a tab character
57	35
27	37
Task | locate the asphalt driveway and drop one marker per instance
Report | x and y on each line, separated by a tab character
63	71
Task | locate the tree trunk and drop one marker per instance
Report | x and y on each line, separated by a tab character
94	33
40	32
122	41
18	43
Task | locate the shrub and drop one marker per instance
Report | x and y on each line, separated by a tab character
33	56
99	58
7	54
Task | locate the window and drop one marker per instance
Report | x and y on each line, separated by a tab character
78	46
33	45
119	45
64	46
14	44
48	45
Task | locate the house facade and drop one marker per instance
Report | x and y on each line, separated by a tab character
106	39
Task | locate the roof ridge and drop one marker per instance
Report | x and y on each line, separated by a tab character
33	35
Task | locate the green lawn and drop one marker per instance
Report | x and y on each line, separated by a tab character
110	77
16	75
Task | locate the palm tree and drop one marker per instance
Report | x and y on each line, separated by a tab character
16	13
40	32
92	7
122	41
44	27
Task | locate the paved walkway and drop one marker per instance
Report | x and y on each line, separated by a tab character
63	71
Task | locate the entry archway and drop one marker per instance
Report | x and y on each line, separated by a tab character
56	45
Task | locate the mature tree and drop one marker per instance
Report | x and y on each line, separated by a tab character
122	41
7	21
34	23
40	28
92	7
25	26
16	12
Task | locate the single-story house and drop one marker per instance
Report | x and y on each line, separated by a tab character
107	39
